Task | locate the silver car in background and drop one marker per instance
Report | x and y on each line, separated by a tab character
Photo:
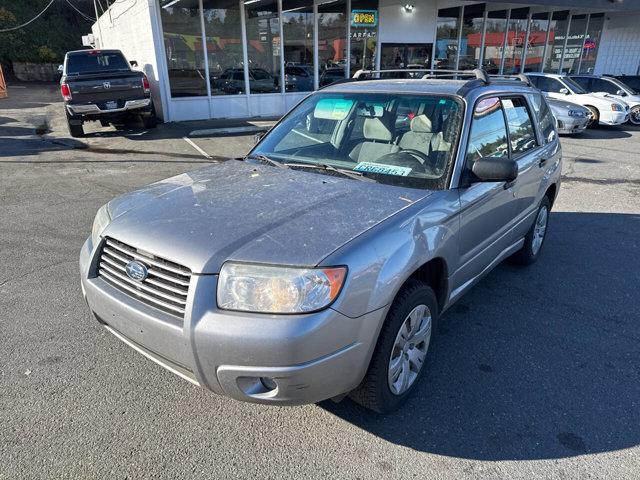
571	118
319	265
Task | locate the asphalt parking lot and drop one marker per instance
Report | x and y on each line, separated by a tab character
536	371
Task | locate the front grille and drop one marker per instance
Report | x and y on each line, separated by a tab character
165	287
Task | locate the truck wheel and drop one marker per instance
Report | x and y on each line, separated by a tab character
149	121
75	127
534	238
403	348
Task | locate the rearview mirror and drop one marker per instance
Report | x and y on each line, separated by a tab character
621	92
60	68
133	63
495	169
564	91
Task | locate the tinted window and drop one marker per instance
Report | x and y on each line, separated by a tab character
488	136
584	82
547	84
96	61
600	85
521	132
546	121
632	81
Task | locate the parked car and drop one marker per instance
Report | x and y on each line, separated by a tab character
614	88
606	110
320	264
231	81
99	85
632	81
332	75
298	78
570	117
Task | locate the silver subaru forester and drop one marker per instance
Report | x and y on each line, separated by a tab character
318	265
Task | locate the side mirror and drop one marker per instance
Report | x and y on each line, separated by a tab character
564	91
133	63
60	68
495	169
258	136
621	92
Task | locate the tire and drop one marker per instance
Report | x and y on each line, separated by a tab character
75	127
634	115
595	119
533	242
375	391
149	121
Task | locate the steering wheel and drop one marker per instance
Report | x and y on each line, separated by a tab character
420	156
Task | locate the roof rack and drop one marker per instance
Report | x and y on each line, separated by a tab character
478	73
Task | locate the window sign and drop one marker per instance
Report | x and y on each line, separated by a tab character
364	18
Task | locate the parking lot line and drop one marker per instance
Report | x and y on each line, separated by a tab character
193	144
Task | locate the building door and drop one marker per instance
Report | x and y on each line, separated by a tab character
403	55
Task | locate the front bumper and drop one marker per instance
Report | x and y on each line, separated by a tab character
613	118
571	125
93	109
308	358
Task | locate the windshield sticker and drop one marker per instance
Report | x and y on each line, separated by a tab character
332	108
382	168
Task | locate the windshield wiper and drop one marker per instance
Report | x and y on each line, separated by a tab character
265	159
330	168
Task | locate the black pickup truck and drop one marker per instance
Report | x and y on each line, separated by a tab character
99	85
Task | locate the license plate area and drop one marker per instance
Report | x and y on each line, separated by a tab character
111	105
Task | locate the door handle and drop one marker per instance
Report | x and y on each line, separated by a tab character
543	162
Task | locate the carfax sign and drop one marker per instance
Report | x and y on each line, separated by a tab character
364	18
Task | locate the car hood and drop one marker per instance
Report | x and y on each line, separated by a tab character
251	213
563	107
602	97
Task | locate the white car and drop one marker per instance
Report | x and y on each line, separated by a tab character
613	87
606	110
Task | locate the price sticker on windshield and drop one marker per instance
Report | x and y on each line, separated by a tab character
383	169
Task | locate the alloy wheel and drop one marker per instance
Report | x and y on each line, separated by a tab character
635	115
409	350
539	229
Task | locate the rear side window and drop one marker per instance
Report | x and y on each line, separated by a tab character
521	132
488	136
94	61
546	122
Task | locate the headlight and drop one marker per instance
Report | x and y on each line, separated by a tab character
617	108
103	218
576	113
267	289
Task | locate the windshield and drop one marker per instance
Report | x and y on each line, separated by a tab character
573	85
406	140
94	61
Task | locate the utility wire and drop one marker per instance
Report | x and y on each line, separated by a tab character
82	14
30	21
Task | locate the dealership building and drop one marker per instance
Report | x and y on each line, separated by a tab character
258	58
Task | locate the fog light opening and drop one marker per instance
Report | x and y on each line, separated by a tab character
268	383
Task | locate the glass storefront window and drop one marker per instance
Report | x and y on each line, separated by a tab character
182	34
537	39
364	34
471	40
446	48
263	45
557	34
332	41
494	40
573	50
297	30
515	41
224	46
591	43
